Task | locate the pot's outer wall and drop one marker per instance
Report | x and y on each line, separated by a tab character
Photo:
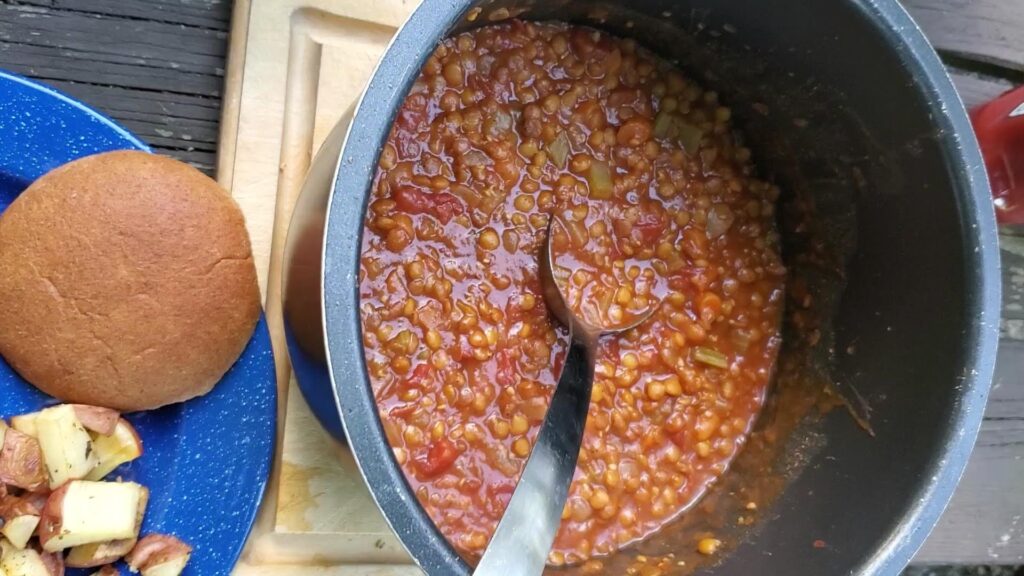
852	106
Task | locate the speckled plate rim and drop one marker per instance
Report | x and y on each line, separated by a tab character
238	520
4	75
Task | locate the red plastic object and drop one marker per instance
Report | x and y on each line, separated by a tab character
999	125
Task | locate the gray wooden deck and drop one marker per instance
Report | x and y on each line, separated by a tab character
157	66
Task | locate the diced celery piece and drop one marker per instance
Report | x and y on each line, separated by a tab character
711	357
558	149
600	179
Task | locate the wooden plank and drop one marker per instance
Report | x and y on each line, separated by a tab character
205	162
116	39
154	66
231	104
211	14
161	119
170	106
984	523
58	64
984	30
976	88
119	52
1012	322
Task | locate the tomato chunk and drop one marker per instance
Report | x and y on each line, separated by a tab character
420	376
437	459
440	205
506	373
650	226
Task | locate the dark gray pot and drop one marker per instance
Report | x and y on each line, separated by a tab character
862	116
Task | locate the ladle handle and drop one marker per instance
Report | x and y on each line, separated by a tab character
523	539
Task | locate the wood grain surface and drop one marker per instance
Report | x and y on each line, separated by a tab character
980	30
158	67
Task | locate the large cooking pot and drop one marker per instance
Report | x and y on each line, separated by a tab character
844	103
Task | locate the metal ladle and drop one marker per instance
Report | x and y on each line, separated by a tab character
524	536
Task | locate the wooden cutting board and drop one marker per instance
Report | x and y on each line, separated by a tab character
294	67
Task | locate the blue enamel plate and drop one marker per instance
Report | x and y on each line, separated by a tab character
206	461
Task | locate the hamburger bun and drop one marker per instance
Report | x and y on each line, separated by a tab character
126	281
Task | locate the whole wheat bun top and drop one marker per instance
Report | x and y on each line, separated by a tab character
126	281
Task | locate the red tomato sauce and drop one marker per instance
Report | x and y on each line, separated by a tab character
507	126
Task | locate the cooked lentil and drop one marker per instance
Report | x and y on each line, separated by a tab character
506	126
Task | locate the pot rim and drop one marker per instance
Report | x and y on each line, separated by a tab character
374	115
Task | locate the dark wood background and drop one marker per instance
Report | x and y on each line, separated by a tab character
157	67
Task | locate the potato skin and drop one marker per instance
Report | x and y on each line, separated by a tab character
50	518
156	549
21	462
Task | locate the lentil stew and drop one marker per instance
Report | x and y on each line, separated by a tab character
507	126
